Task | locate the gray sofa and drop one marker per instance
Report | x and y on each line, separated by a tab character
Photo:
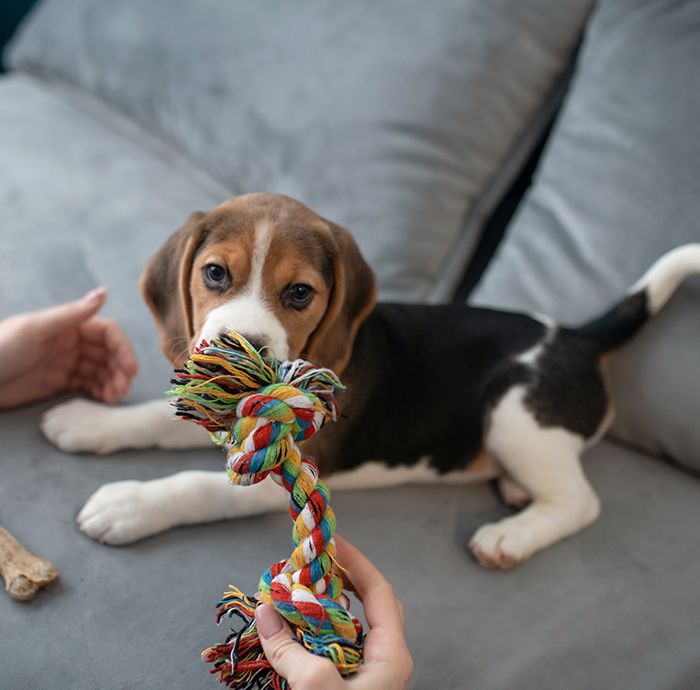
408	125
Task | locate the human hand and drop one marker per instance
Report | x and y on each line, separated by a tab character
48	351
387	661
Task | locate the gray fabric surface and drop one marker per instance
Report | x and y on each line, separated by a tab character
618	187
85	199
615	607
392	118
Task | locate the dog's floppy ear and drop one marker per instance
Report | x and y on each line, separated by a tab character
353	295
165	285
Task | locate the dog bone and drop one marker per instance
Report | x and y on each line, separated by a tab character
24	573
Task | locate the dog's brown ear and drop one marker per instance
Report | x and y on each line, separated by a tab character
353	295
165	286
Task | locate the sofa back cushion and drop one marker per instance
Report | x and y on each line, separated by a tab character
392	118
617	188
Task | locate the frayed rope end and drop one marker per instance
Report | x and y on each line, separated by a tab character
239	662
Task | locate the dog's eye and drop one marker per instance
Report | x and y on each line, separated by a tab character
299	295
216	276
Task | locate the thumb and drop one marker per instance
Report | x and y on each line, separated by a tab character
71	314
303	670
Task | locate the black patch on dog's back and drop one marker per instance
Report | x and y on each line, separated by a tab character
423	379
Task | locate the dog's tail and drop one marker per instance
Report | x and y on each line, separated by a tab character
644	299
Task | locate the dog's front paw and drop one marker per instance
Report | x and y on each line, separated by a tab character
85	426
502	544
124	512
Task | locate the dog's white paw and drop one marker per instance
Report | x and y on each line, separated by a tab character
502	544
85	426
124	512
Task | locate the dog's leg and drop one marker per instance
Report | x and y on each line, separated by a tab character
124	512
377	475
545	462
86	426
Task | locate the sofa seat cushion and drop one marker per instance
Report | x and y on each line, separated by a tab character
615	607
397	119
617	188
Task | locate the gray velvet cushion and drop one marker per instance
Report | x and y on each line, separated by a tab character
395	119
86	199
615	607
617	188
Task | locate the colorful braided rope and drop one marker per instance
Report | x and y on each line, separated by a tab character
262	408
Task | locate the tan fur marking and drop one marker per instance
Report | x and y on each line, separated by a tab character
482	464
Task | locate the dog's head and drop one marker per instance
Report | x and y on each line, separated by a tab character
268	267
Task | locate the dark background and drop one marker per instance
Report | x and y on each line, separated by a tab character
11	15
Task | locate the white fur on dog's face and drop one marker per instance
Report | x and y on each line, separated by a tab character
248	312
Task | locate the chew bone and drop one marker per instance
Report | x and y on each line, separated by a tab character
24	573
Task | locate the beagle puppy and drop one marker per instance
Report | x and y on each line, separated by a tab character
485	394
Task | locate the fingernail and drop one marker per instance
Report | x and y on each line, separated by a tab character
269	622
94	295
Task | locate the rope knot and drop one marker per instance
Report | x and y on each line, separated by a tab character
269	422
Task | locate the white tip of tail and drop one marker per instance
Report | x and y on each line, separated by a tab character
666	274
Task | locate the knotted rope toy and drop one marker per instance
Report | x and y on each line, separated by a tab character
262	408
